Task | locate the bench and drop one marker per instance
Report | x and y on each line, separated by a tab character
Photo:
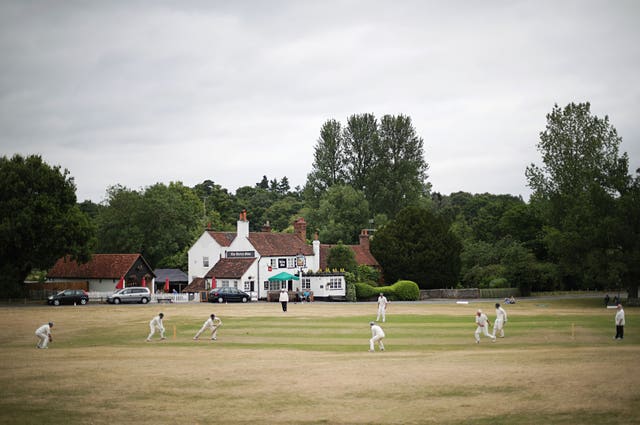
164	300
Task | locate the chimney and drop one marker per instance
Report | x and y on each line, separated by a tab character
243	225
364	239
300	228
266	227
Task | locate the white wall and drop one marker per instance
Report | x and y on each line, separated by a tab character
205	246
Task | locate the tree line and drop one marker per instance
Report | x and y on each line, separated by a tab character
580	229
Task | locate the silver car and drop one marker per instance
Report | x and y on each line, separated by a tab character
133	294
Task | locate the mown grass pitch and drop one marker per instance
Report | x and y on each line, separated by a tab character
558	364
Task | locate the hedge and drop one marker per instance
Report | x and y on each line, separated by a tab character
402	290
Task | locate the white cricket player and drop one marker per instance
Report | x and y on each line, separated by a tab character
501	319
382	307
44	334
483	323
377	335
212	323
156	324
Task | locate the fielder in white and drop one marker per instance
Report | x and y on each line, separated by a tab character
212	323
382	307
156	324
377	335
501	319
482	322
44	334
619	322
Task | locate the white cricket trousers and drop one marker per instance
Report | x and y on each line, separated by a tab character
152	328
381	312
214	330
485	330
44	340
498	327
378	339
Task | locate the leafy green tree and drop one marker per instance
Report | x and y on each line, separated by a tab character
256	201
281	213
360	147
577	150
628	237
39	220
218	205
264	183
342	257
418	245
160	222
328	166
575	190
342	214
398	176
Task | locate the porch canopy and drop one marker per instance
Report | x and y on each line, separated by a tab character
284	276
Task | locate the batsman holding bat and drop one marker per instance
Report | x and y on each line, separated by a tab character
212	323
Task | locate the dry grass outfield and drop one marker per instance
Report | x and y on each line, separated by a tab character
557	365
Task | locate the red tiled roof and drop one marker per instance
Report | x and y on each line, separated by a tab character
223	238
362	255
101	266
230	268
274	244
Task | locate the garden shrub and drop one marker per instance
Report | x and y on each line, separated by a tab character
403	290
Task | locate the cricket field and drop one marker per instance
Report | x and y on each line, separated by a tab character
558	364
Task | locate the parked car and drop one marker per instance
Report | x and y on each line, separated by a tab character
133	294
69	296
228	294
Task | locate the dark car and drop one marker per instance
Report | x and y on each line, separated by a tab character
69	296
228	294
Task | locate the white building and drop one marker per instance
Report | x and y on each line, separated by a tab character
246	260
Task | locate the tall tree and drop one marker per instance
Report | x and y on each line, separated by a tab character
39	220
418	245
360	147
398	176
328	166
575	189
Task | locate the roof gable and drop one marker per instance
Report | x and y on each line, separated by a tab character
230	268
223	238
274	244
101	266
196	285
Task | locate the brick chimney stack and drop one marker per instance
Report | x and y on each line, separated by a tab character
266	227
300	228
364	239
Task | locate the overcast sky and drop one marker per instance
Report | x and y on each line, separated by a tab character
140	92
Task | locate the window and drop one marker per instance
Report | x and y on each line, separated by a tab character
282	263
291	263
274	263
266	285
276	286
224	283
335	283
205	261
247	286
306	283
